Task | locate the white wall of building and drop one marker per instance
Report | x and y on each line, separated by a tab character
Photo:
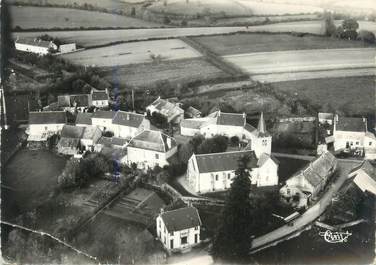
145	158
38	129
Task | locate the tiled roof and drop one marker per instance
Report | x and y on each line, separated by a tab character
107	141
82	100
193	123
325	115
367	167
70	131
84	118
226	161
264	157
129	119
152	140
233	119
351	124
90	132
320	169
104	114
193	111
167	108
119	141
47	117
68	142
181	219
99	95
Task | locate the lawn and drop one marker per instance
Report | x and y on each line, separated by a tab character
134	53
175	72
33	176
353	95
257	42
28	17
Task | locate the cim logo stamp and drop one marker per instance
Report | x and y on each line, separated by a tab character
335	237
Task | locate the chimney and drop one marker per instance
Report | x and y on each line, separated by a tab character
219	113
365	123
127	116
168	141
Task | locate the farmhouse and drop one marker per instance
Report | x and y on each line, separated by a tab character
103	119
351	134
37	46
231	125
44	124
72	103
129	124
325	117
171	111
68	47
214	172
99	98
312	179
110	142
364	176
192	112
150	148
179	230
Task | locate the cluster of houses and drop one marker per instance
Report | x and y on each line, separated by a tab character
42	47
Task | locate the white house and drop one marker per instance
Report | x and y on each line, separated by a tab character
325	117
179	230
45	123
68	47
230	125
215	172
35	45
150	148
75	137
311	180
352	134
128	124
99	98
364	176
103	119
171	111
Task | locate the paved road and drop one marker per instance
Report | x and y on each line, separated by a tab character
102	37
312	213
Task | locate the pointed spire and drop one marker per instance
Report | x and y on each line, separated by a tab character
261	125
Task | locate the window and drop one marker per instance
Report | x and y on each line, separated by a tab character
156	156
196	238
172	233
196	227
184	240
159	223
228	176
165	230
216	177
45	128
357	143
264	142
370	143
171	243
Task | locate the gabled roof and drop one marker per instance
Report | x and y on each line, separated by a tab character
84	118
367	167
68	142
167	108
193	123
319	170
34	42
153	140
351	124
100	114
326	116
264	157
181	219
82	100
90	132
70	131
129	119
193	111
226	161
232	119
100	95
119	141
47	117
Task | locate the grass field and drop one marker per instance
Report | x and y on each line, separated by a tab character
108	4
224	8
28	17
133	53
258	42
354	95
175	72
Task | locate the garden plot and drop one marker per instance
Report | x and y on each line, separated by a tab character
307	61
134	53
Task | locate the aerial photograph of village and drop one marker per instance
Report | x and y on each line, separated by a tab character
188	132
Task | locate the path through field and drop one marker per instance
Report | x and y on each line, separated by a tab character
306	64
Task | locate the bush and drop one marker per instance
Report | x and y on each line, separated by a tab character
235	140
108	134
366	36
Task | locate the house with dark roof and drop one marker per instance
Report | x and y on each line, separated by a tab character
149	149
110	142
216	171
192	112
128	124
179	230
45	123
351	133
364	176
312	179
103	119
76	102
34	45
230	125
170	110
99	98
83	119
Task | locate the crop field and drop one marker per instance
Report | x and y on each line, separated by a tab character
133	53
353	95
29	17
176	72
288	62
108	4
258	42
229	8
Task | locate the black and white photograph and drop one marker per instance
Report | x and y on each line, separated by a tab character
208	132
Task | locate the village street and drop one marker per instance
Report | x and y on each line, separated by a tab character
311	214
